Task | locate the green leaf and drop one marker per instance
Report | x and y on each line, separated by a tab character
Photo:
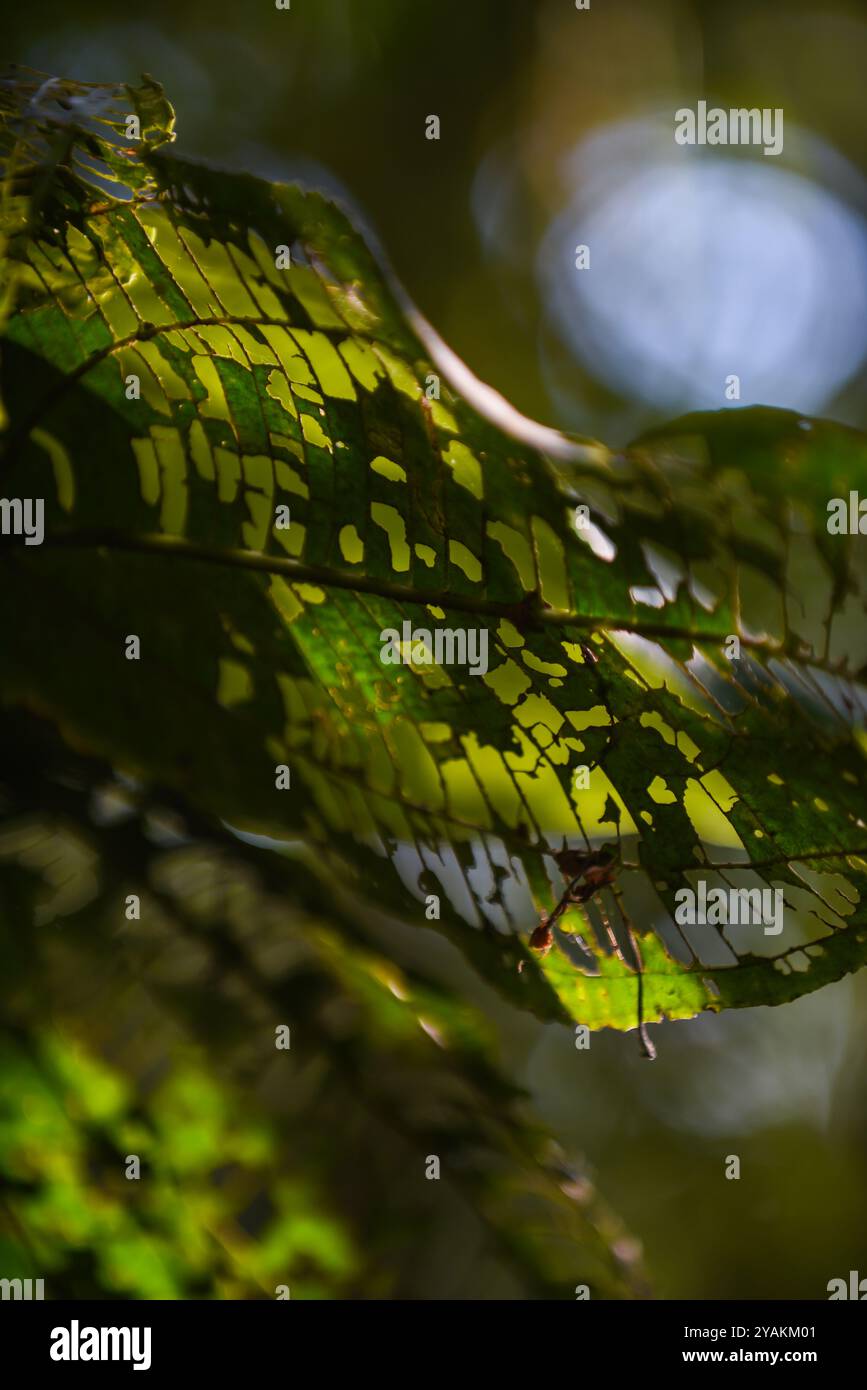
313	387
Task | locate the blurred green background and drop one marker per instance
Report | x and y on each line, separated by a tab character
556	129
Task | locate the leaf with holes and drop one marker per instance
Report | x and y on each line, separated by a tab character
378	611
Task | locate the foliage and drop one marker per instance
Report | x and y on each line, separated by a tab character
260	1167
314	387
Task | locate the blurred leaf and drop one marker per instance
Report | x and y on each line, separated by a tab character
259	1166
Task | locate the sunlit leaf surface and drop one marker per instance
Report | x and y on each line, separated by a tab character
278	368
